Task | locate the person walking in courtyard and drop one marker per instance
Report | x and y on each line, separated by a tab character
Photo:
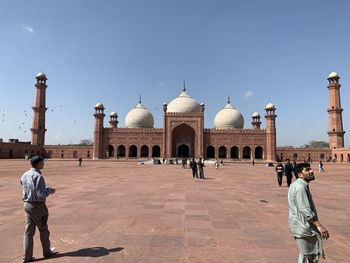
193	166
320	167
200	166
303	220
288	169
80	161
295	170
36	212
279	171
216	164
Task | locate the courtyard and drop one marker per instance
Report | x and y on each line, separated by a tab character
110	211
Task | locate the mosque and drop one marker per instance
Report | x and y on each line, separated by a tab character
183	134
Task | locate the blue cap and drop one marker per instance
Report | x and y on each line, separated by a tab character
36	159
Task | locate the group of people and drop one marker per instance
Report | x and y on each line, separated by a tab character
303	220
288	169
195	166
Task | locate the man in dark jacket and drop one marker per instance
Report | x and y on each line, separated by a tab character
200	166
279	171
288	170
193	166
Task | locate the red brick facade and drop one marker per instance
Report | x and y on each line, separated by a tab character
183	134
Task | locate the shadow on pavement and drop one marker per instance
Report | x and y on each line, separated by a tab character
93	252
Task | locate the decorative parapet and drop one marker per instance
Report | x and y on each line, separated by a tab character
235	131
184	114
137	130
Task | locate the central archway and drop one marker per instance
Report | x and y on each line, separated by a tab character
183	151
183	141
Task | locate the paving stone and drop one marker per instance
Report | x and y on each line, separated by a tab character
112	211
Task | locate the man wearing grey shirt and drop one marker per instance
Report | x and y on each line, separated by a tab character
36	212
303	220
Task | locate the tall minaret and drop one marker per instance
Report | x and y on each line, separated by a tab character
270	132
98	131
38	126
336	132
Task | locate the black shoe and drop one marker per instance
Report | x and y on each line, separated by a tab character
31	260
52	252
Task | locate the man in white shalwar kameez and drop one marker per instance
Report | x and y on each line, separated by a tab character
303	220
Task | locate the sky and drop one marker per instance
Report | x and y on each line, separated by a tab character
112	51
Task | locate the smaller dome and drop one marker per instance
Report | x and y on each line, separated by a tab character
99	105
228	118
255	115
41	75
270	106
113	114
333	75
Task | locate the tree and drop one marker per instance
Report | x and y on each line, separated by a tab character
86	142
316	144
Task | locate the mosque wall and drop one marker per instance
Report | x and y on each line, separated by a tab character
301	154
68	151
10	150
341	155
235	143
133	142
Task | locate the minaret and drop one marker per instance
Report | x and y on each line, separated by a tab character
98	132
336	132
113	120
256	121
165	107
38	127
270	132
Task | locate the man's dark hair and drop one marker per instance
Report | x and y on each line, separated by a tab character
301	166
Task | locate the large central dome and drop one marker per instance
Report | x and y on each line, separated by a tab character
183	103
139	117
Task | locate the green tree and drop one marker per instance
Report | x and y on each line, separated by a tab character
316	144
86	142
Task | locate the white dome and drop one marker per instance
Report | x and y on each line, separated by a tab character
183	103
270	106
255	115
99	105
333	75
113	114
229	118
41	75
139	117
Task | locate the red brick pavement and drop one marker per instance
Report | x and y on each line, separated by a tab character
108	211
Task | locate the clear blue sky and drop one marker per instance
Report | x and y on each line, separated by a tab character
112	51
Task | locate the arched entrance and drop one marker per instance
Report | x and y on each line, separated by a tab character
133	151
110	151
258	152
144	151
246	152
183	151
183	141
121	151
75	154
222	152
234	152
155	151
322	156
210	152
